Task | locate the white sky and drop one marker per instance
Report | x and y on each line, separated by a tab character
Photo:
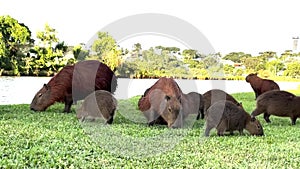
249	26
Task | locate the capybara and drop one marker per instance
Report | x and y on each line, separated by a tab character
260	85
99	104
279	103
170	110
215	95
164	106
225	115
169	88
74	82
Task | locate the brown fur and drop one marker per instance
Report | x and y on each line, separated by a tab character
166	107
278	103
99	104
260	85
171	110
167	85
74	82
224	115
214	95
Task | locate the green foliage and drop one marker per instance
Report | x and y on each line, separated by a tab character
49	52
15	40
79	53
53	139
293	69
153	63
236	56
106	50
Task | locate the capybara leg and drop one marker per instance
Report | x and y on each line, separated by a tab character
293	120
267	117
110	120
198	116
207	130
68	104
222	127
202	114
67	108
241	132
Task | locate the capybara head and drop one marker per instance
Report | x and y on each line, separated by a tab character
251	75
254	127
171	111
41	99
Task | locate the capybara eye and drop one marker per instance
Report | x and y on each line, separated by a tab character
40	94
169	109
258	126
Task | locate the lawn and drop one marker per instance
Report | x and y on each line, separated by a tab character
53	139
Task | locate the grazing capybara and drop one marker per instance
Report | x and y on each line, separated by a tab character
164	106
173	111
260	85
215	95
74	82
168	87
225	115
99	104
278	103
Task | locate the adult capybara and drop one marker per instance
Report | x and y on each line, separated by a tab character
225	115
168	87
74	82
99	104
278	103
215	95
173	111
260	85
164	106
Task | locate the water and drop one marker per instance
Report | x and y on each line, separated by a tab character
21	90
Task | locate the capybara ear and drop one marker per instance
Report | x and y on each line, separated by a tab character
179	98
46	86
240	103
167	98
255	73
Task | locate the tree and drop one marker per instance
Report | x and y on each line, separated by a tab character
104	43
107	50
236	56
189	54
49	51
274	66
79	53
253	63
15	41
293	69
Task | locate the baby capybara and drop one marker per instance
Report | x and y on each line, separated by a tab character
260	85
215	95
99	104
224	115
278	103
74	82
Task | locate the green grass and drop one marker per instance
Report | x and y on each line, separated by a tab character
53	139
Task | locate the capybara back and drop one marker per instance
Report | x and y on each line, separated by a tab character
278	103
